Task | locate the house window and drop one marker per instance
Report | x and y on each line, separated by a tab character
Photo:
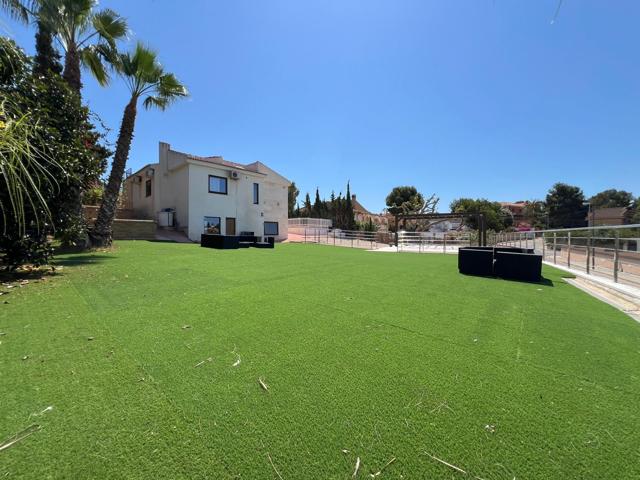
212	225
147	188
271	228
217	184
256	194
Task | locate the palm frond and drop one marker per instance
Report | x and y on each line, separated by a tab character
16	9
147	67
110	26
158	102
170	87
146	77
93	60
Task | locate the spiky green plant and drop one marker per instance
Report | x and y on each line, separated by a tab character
24	167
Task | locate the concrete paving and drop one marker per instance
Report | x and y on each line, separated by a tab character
167	235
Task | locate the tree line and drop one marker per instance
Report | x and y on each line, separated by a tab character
338	209
51	151
565	206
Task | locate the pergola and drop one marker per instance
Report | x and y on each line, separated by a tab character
482	226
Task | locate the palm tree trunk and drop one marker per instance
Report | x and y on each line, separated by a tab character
101	235
47	58
71	71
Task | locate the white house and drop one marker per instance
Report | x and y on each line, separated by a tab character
210	194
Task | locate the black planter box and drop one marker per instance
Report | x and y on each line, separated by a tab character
232	242
518	266
505	262
223	242
472	261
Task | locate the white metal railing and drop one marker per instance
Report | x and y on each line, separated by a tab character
342	238
419	242
298	226
427	242
612	252
310	222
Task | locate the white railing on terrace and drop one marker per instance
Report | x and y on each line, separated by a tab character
298	226
612	252
310	222
428	242
419	242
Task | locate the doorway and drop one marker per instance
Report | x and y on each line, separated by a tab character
230	226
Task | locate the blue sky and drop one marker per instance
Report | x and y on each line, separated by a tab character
479	98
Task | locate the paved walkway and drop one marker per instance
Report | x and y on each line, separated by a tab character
623	297
605	282
171	236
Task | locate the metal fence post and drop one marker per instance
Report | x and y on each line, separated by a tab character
554	247
444	243
568	249
305	235
588	253
616	258
593	251
544	246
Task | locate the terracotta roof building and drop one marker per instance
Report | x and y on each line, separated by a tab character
607	216
362	215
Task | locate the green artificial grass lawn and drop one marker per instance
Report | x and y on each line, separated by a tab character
368	355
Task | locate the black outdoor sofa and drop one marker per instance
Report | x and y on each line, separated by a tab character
233	242
504	262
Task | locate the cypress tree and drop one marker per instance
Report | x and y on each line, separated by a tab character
317	205
307	205
340	212
348	210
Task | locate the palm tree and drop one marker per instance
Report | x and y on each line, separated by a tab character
145	77
87	37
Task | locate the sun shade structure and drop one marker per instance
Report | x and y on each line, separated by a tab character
482	224
505	262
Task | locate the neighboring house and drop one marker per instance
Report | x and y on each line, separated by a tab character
517	210
607	216
210	194
362	215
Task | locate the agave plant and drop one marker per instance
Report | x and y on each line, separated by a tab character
146	79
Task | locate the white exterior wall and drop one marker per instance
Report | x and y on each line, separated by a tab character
238	203
172	177
136	198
